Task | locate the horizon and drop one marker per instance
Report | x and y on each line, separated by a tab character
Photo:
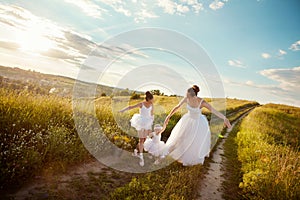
167	95
254	45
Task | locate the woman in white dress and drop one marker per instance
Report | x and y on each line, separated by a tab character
142	122
189	142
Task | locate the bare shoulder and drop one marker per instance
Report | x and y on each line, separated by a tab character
203	103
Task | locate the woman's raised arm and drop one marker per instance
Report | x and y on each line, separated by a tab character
131	107
217	113
184	100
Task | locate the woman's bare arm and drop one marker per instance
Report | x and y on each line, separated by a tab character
184	100
217	113
139	105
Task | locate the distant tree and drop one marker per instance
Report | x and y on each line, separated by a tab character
103	94
124	93
155	92
134	95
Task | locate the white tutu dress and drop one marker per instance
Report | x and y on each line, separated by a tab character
189	142
155	146
143	120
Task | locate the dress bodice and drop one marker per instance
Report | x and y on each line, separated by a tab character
156	138
144	111
193	112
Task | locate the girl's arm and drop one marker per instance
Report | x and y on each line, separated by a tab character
184	100
217	113
131	107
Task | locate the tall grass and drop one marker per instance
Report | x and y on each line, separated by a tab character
35	131
174	181
268	148
38	133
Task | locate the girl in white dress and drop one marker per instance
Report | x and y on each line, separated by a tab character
154	145
142	122
189	142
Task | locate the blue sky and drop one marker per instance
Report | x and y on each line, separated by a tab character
254	44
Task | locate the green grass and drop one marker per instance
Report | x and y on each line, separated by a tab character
36	131
38	136
268	149
175	181
172	182
232	166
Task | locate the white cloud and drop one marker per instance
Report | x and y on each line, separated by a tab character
120	6
168	6
88	7
124	11
288	78
281	52
265	93
265	55
140	10
295	46
193	5
173	7
216	4
45	39
143	15
249	83
182	8
236	63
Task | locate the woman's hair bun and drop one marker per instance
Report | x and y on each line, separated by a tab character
196	88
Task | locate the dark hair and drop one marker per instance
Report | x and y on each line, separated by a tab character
193	91
149	96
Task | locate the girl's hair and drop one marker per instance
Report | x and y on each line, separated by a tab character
157	126
149	96
193	91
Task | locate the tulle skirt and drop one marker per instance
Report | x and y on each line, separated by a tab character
140	122
155	148
189	142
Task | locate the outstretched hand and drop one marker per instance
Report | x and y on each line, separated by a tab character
121	111
163	128
227	123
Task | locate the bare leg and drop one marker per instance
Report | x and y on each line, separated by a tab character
138	144
141	145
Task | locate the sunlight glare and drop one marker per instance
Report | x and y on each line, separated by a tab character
33	41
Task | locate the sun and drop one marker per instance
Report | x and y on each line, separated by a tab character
33	41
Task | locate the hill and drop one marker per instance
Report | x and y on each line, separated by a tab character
19	79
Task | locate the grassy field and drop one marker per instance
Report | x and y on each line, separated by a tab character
268	151
38	136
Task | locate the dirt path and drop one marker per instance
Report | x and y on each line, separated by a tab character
93	180
211	186
77	183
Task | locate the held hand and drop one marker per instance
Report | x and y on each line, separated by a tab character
121	111
227	123
163	129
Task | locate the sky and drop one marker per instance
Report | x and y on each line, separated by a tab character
251	48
